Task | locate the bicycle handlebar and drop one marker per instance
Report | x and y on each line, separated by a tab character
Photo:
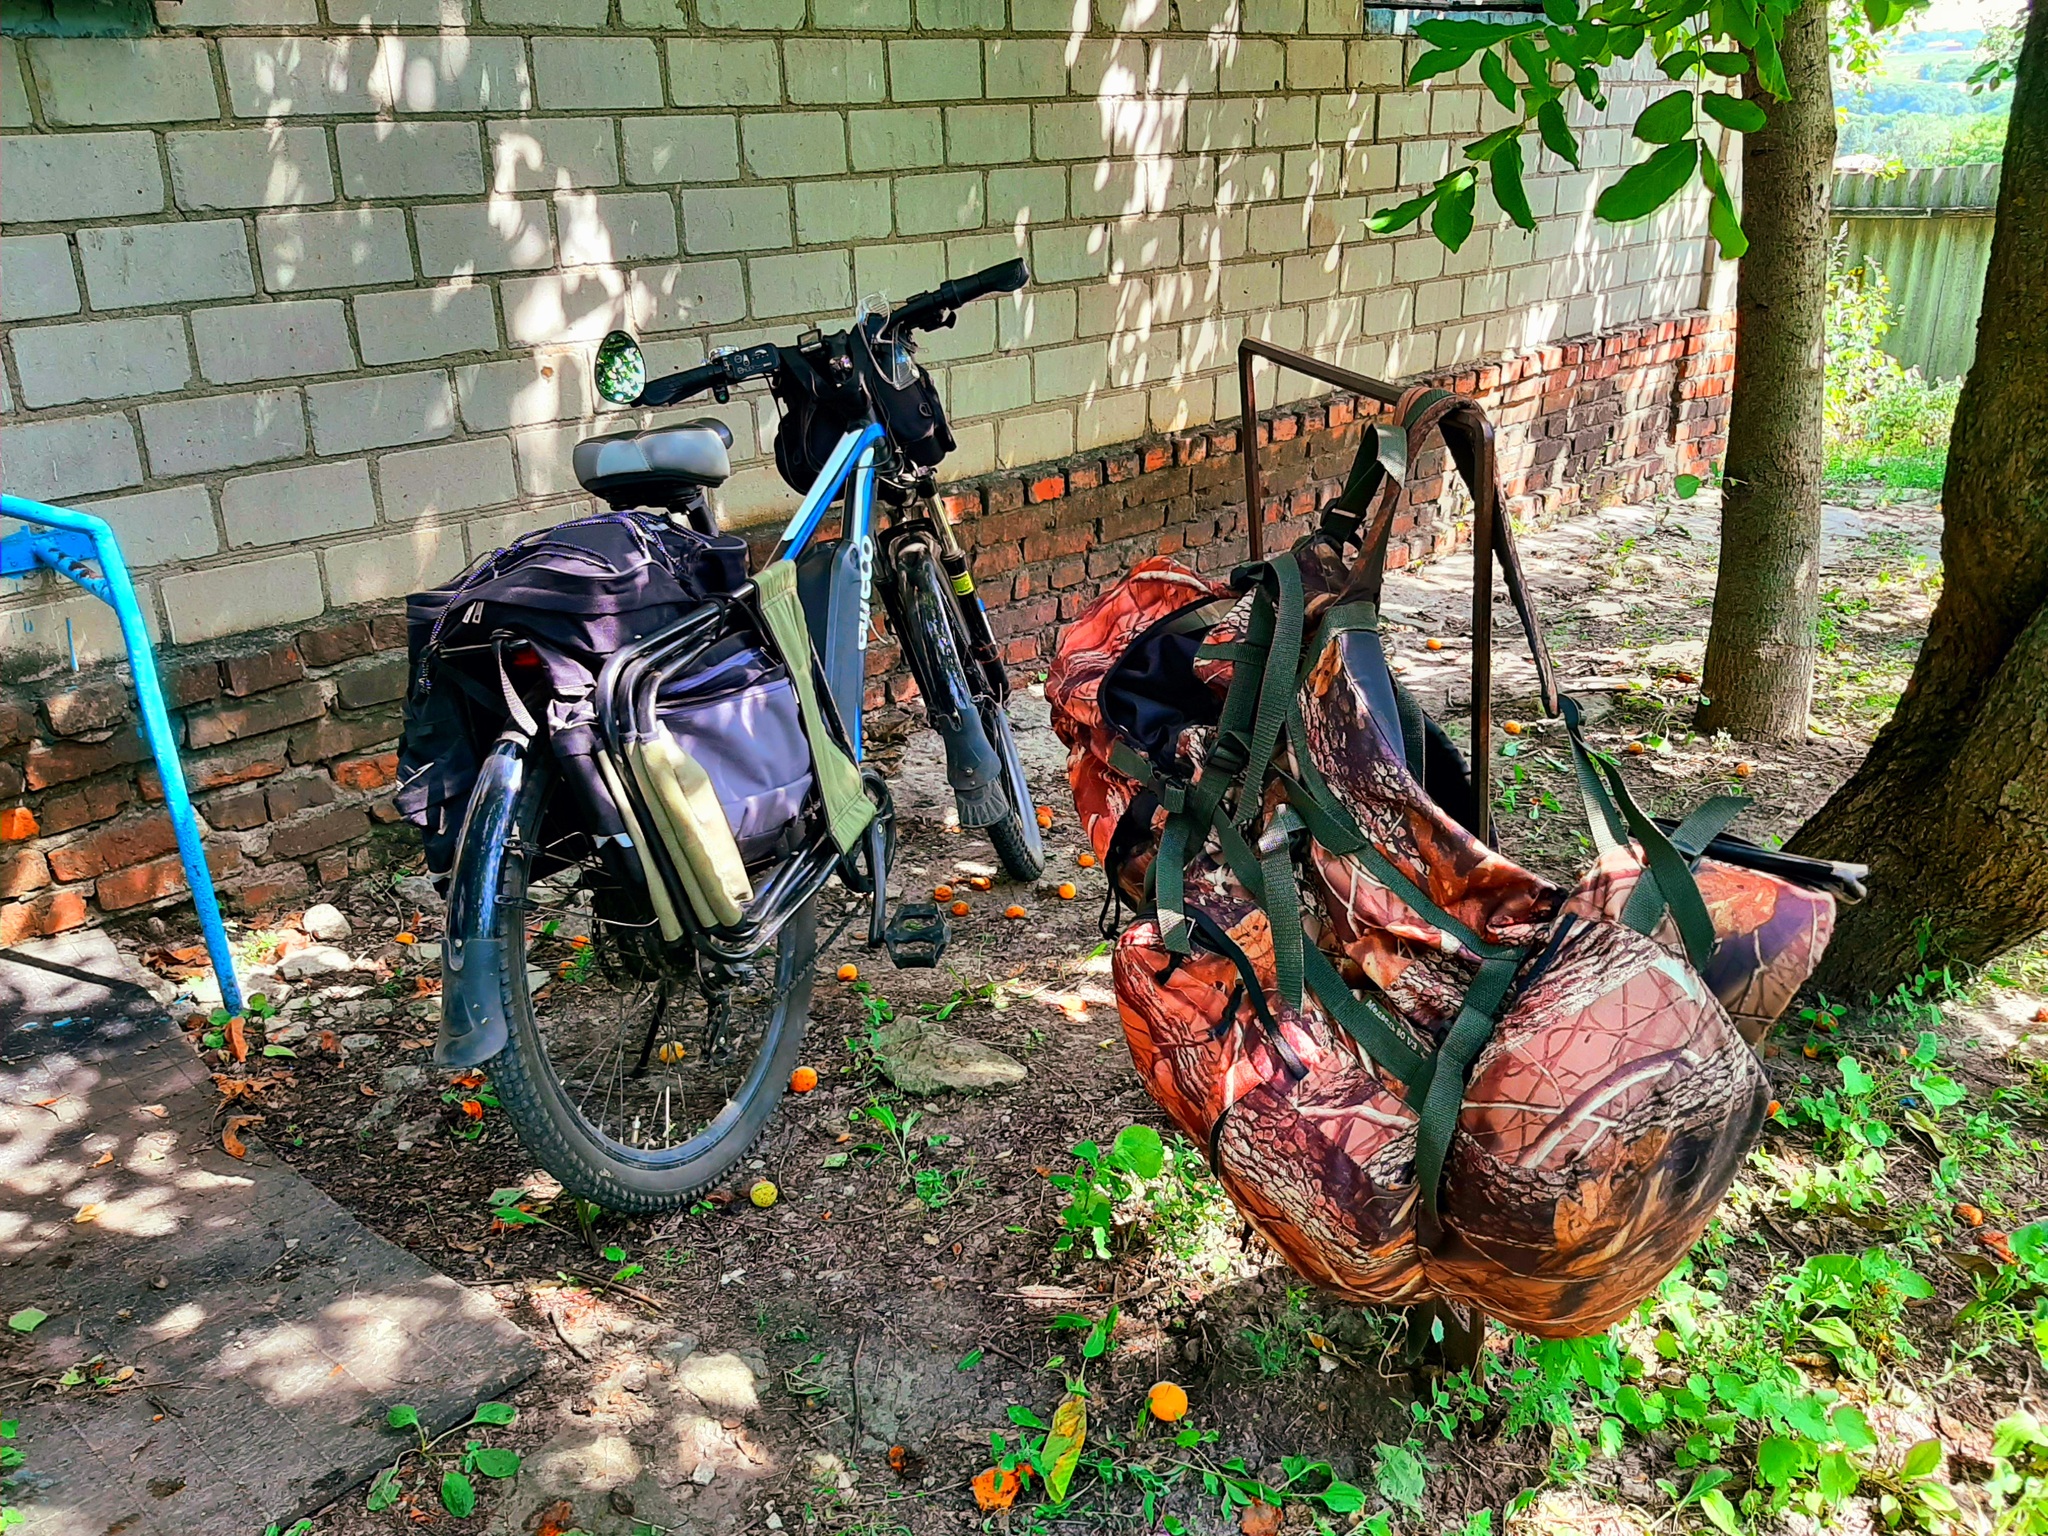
921	312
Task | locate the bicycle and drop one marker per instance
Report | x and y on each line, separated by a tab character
570	992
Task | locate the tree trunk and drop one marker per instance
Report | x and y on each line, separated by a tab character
1950	809
1758	680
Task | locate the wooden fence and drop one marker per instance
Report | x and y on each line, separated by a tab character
1929	231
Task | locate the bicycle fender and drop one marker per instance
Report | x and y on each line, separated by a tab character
972	767
473	956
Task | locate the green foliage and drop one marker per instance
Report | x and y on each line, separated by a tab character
2018	1486
1877	411
457	1488
1102	1182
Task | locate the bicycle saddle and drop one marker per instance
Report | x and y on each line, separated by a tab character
625	467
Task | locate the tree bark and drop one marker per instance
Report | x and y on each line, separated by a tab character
1950	809
1758	680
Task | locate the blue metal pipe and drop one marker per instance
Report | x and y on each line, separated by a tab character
114	587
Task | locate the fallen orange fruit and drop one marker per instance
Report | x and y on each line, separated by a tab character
1969	1215
980	882
961	909
1067	891
1636	748
403	938
1013	911
803	1079
1044	816
849	972
1167	1401
1085	860
995	1489
1743	770
1434	645
942	893
1512	727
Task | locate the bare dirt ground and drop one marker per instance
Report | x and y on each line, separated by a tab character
839	1362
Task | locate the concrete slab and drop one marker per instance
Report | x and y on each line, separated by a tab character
252	1331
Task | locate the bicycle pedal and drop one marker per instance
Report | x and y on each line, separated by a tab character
916	937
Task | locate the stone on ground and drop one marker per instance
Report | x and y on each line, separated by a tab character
325	923
318	960
920	1057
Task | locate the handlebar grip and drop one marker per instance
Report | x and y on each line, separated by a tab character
680	386
1003	277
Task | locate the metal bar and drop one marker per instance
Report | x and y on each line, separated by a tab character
156	722
1248	429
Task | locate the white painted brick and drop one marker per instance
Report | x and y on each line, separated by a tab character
139	264
250	168
1063	373
1119	188
285	340
378	15
1102	67
545	467
547	15
1068	130
53	460
605	228
760	15
495	532
1340	18
1033	195
736	219
249	594
84	82
503	235
1282	16
574	73
1221	124
159	527
1050	15
933	204
1035	438
899	269
197	437
668	298
794	143
411	325
345	248
799	285
973	334
454	477
524	391
694	149
935	69
863	15
452	73
652	15
988	135
1062	255
408	160
904	139
989	388
300	76
967	254
962	15
100	360
1315	65
48	178
566	306
543	154
1026	67
1375	61
1189	66
178	15
384	412
834	71
838	212
1036	317
1285	120
723	72
305	502
14	111
36	279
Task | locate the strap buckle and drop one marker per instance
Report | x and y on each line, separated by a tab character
1280	832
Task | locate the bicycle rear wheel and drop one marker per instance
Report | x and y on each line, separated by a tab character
620	1077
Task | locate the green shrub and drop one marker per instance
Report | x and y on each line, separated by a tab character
1884	421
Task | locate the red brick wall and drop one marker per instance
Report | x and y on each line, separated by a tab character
289	739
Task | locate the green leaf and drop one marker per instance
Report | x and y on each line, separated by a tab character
495	1462
614	1254
1557	134
1438	61
1400	1475
1063	1445
1922	1459
1686	486
1488	147
403	1416
1401	215
1452	221
1833	1332
1138	1149
1837	1476
1736	112
1024	1418
458	1495
1494	76
279	1050
1563	12
28	1319
1725	227
495	1413
1507	184
1342	1498
384	1492
1715	1506
1770	69
1779	1459
1645	188
1666	120
1727	65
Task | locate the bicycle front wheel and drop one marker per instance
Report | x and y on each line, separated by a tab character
621	1078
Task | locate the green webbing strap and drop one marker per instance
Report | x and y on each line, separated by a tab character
1446	1093
1359	613
1707	822
1283	903
1276	684
1376	1028
1413	732
1602	820
1382	455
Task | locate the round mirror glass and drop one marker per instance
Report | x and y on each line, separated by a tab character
621	370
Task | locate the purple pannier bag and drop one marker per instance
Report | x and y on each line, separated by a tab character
737	715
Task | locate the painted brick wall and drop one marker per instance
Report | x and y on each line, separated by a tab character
300	294
289	736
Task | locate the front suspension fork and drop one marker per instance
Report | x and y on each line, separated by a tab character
981	638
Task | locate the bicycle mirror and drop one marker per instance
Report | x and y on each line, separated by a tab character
621	370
